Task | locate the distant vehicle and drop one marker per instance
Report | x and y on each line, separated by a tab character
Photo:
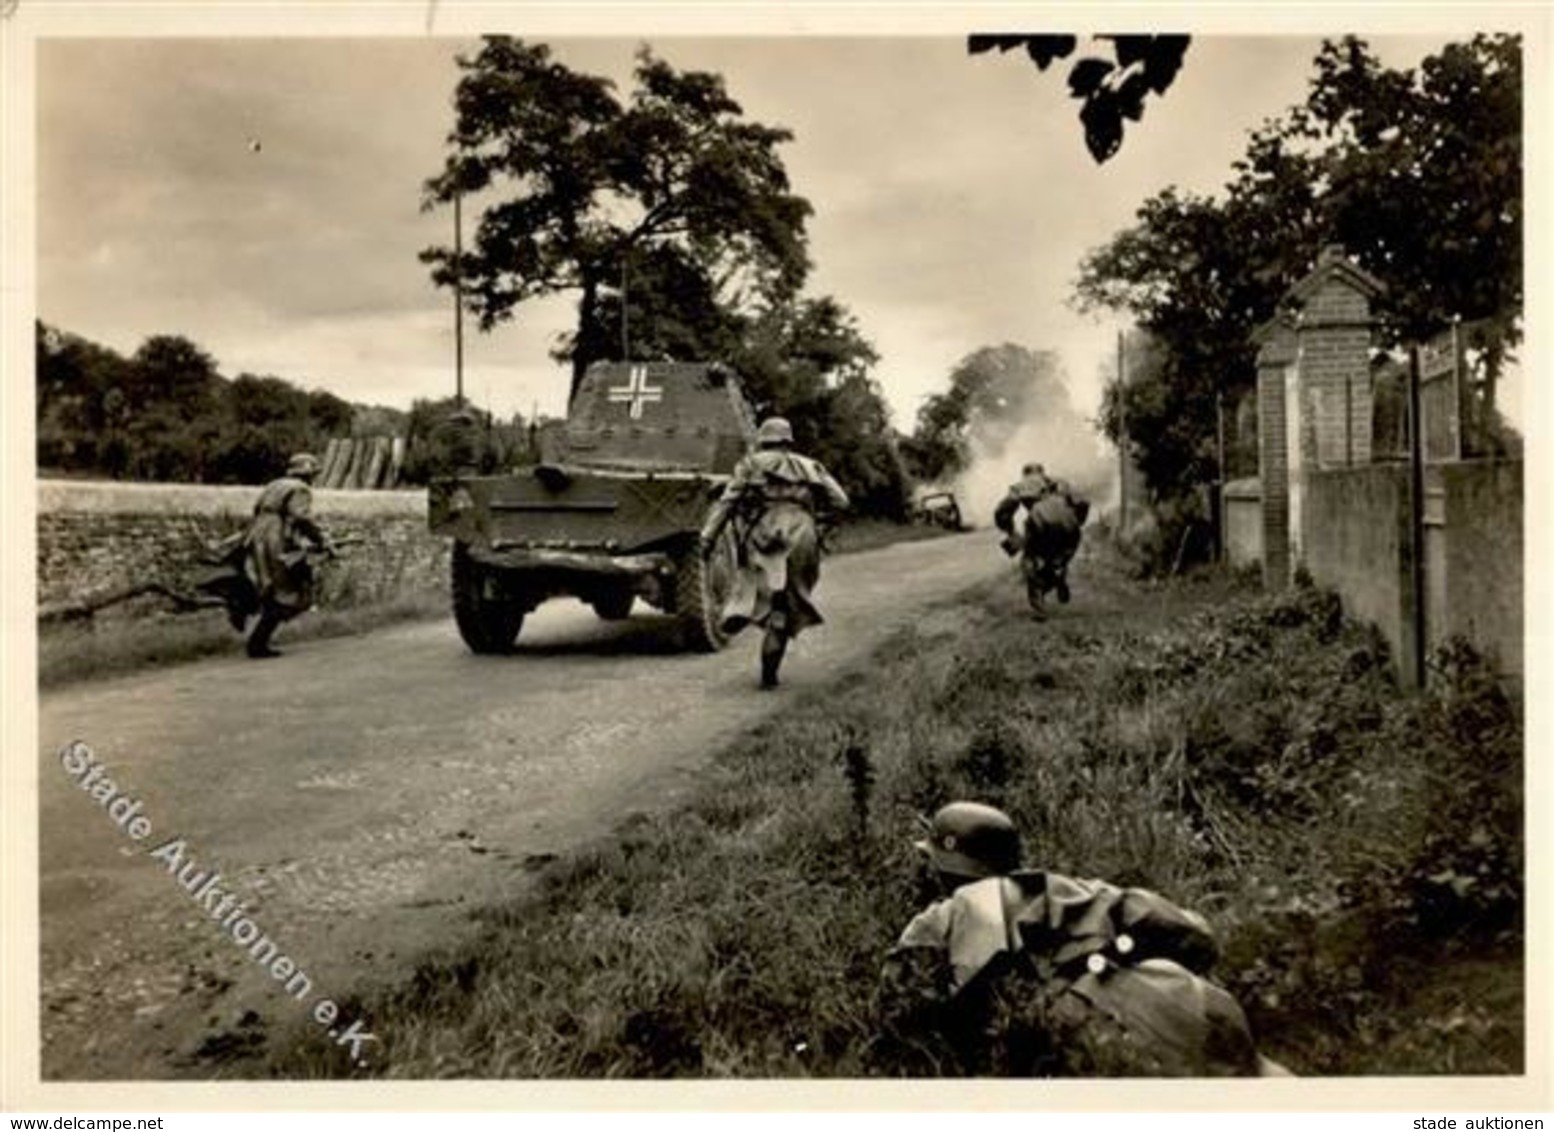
612	512
939	509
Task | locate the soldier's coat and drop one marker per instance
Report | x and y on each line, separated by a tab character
776	491
1027	969
276	552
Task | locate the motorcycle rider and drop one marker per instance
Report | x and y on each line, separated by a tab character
1054	516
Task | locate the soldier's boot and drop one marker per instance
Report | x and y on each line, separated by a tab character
259	640
1035	595
1062	588
773	647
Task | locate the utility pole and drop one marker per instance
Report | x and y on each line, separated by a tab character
625	315
1416	524
1219	475
458	298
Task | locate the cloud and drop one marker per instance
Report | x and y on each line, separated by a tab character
953	196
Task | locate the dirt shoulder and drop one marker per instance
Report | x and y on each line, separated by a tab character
363	795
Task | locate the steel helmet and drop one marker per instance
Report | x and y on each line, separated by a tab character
303	464
970	839
1033	470
773	431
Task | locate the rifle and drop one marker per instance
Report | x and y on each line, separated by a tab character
328	550
212	588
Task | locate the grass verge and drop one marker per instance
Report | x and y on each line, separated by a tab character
72	653
1358	850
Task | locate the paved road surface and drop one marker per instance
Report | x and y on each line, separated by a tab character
361	795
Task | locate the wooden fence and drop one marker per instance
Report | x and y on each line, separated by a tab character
363	463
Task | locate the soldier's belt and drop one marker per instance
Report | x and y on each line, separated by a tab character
787	495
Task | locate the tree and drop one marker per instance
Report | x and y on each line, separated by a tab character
328	415
81	404
174	398
590	190
1111	89
167	414
859	447
807	360
170	370
436	443
266	421
1198	278
672	311
1418	175
1426	173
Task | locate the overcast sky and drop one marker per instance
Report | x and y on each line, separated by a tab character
953	196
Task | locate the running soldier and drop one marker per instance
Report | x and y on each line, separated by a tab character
1054	519
776	500
276	551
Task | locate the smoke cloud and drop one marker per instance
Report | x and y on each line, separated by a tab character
1060	439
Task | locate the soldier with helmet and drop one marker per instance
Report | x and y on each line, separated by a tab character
275	552
1054	517
776	498
1028	973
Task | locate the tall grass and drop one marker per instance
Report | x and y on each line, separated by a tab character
1357	849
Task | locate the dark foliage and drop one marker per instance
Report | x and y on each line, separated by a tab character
1111	89
165	413
584	193
1417	174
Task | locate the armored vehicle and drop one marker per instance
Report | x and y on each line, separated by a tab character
612	511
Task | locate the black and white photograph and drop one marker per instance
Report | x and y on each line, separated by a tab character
775	545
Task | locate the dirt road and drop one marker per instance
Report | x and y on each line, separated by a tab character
361	795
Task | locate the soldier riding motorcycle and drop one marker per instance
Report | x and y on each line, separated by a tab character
776	499
1054	518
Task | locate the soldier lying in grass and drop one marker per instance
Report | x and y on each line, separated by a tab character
1029	973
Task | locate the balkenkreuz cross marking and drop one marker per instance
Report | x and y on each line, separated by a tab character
636	392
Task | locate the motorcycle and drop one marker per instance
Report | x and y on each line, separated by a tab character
1046	546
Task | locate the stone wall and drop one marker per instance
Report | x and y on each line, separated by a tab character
1482	594
1349	522
96	537
1357	543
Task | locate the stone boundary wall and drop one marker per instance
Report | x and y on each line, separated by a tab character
1482	591
1357	542
94	537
